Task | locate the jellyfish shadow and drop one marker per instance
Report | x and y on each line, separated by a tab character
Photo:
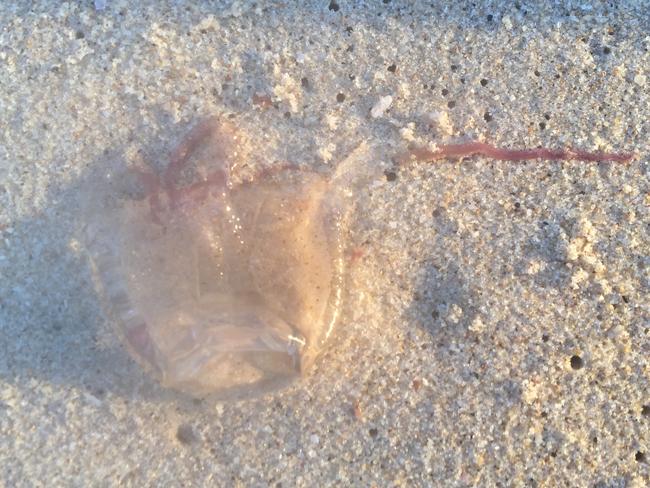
448	305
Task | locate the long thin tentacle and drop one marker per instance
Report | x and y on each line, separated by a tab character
474	148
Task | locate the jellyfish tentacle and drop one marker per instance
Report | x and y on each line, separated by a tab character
200	191
473	148
181	154
209	131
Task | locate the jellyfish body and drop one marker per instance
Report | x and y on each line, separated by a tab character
214	287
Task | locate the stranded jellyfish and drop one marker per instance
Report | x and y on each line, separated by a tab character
216	286
231	287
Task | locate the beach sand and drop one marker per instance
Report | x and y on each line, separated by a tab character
496	323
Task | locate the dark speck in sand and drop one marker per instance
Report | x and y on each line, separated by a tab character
185	434
577	362
390	175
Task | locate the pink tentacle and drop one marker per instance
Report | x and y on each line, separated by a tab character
270	171
184	150
140	340
473	148
208	129
199	191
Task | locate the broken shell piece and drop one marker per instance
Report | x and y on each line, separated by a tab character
215	287
440	122
381	106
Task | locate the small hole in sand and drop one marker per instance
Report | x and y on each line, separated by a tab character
390	175
577	362
185	434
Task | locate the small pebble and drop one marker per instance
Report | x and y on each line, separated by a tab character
185	434
381	106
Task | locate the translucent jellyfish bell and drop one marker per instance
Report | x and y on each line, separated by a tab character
215	287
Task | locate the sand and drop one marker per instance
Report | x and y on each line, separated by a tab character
496	323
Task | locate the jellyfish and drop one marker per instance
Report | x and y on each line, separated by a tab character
219	287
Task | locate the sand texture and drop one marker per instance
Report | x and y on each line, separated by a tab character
495	328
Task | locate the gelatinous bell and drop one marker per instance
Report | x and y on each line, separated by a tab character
214	287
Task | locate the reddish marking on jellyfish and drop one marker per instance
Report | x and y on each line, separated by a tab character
270	171
209	129
168	183
200	191
180	155
473	148
139	339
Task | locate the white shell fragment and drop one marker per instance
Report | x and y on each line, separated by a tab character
381	106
